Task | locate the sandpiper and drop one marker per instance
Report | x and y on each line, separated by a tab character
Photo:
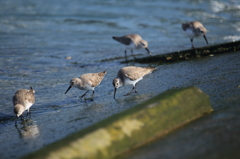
194	29
23	100
87	82
130	76
132	41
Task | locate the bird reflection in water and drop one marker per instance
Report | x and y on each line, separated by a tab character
27	129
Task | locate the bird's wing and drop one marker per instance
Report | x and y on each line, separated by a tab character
134	73
124	40
29	96
93	79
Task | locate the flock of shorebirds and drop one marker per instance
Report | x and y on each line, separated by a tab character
130	75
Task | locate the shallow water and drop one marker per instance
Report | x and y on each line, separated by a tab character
37	36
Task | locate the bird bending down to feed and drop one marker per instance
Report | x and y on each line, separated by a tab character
130	75
23	100
87	82
194	29
132	41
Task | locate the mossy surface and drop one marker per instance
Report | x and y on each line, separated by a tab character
131	128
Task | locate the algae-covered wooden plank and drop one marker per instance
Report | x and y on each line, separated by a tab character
196	52
131	128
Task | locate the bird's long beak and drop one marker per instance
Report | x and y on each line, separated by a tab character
205	38
115	90
68	89
148	51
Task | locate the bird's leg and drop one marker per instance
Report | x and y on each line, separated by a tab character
192	43
92	95
29	113
126	56
83	95
135	88
22	118
133	55
130	91
16	121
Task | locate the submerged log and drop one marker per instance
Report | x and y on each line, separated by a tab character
196	52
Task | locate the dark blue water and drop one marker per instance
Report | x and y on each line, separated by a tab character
36	37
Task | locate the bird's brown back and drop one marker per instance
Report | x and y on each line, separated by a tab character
22	95
193	25
127	39
134	73
95	78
